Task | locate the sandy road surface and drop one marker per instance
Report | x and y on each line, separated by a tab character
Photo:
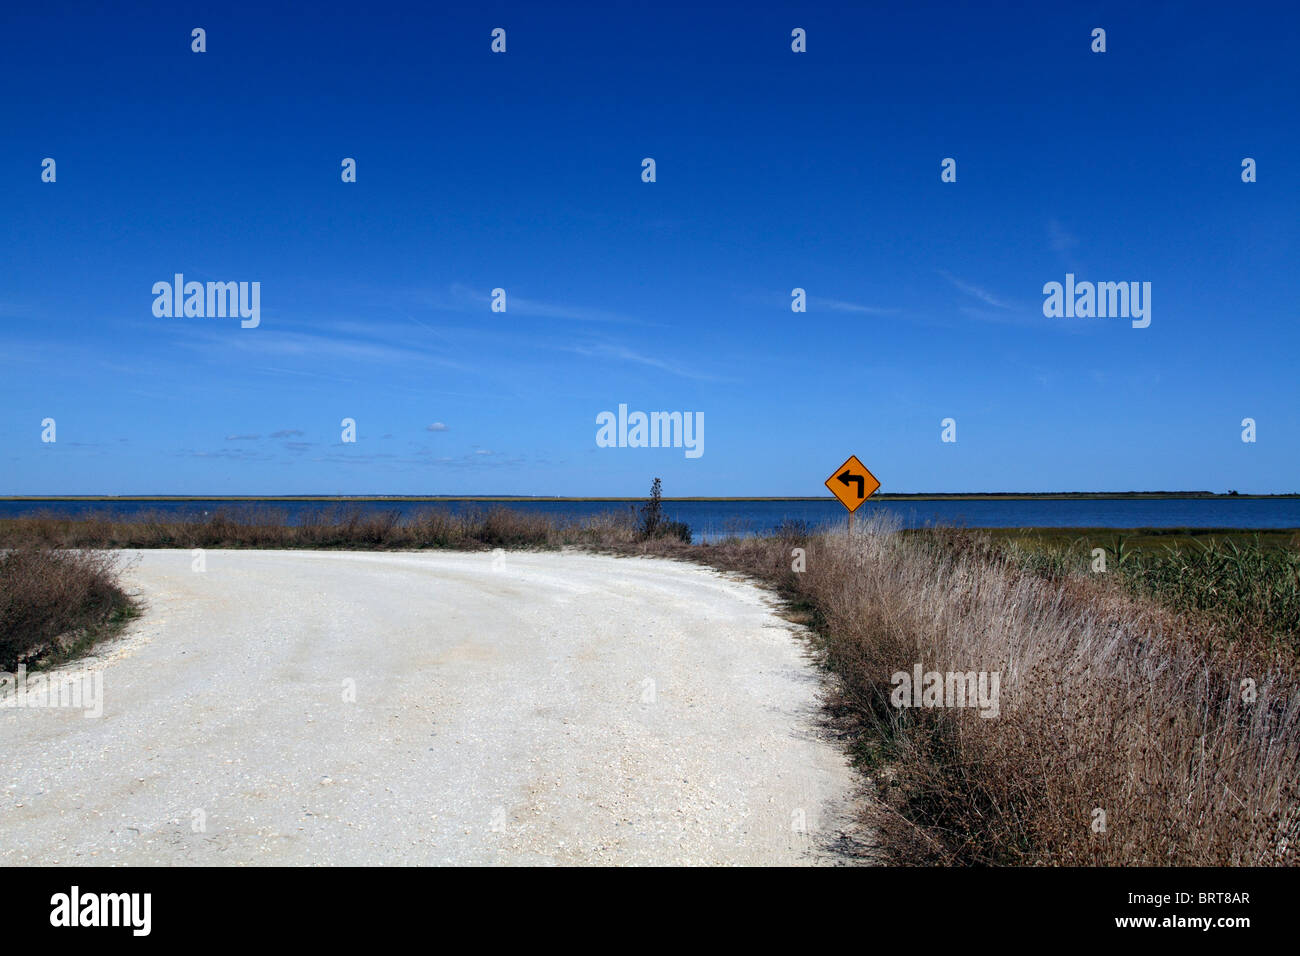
532	708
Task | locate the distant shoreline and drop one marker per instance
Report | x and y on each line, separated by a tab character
909	496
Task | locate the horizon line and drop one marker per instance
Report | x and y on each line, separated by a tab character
884	496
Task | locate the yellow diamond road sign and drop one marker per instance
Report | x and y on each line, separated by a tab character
852	483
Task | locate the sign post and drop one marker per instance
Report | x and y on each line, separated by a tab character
852	484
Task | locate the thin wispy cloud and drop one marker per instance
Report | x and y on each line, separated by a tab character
278	371
623	354
463	295
836	305
479	459
286	344
230	454
988	298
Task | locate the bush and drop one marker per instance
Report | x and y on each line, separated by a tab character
792	530
652	512
52	601
654	524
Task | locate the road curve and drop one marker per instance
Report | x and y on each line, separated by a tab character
296	707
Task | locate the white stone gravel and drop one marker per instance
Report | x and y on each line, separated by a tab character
532	708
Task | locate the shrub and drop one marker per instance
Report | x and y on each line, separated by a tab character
53	600
654	524
652	512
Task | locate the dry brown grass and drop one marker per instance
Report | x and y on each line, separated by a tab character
55	603
341	527
1108	702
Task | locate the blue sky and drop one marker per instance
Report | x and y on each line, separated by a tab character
522	171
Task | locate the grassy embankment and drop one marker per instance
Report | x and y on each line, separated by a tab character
1148	715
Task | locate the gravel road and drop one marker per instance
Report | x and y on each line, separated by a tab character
297	707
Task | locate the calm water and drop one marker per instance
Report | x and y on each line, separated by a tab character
710	519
